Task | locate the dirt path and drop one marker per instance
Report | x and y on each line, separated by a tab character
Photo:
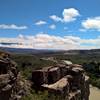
94	93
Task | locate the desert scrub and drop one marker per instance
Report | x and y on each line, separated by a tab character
41	96
36	96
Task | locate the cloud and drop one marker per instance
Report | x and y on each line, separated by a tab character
68	15
53	26
46	41
41	22
12	26
55	18
91	23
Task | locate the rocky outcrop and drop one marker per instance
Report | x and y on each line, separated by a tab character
67	81
12	87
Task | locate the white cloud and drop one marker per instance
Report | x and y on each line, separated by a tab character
69	15
53	26
41	22
55	18
46	41
12	26
92	23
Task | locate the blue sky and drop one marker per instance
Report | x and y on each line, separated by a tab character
58	18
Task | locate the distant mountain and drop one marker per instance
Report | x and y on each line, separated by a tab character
29	51
46	51
92	51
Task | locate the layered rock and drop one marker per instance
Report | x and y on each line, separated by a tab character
11	83
7	77
67	81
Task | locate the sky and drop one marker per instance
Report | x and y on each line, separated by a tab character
50	24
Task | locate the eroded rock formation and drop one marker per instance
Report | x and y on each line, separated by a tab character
67	81
12	87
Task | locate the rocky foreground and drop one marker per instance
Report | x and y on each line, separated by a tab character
12	86
67	81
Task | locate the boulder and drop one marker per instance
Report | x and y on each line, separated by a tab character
68	82
60	87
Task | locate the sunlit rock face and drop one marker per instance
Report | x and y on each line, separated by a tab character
67	81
